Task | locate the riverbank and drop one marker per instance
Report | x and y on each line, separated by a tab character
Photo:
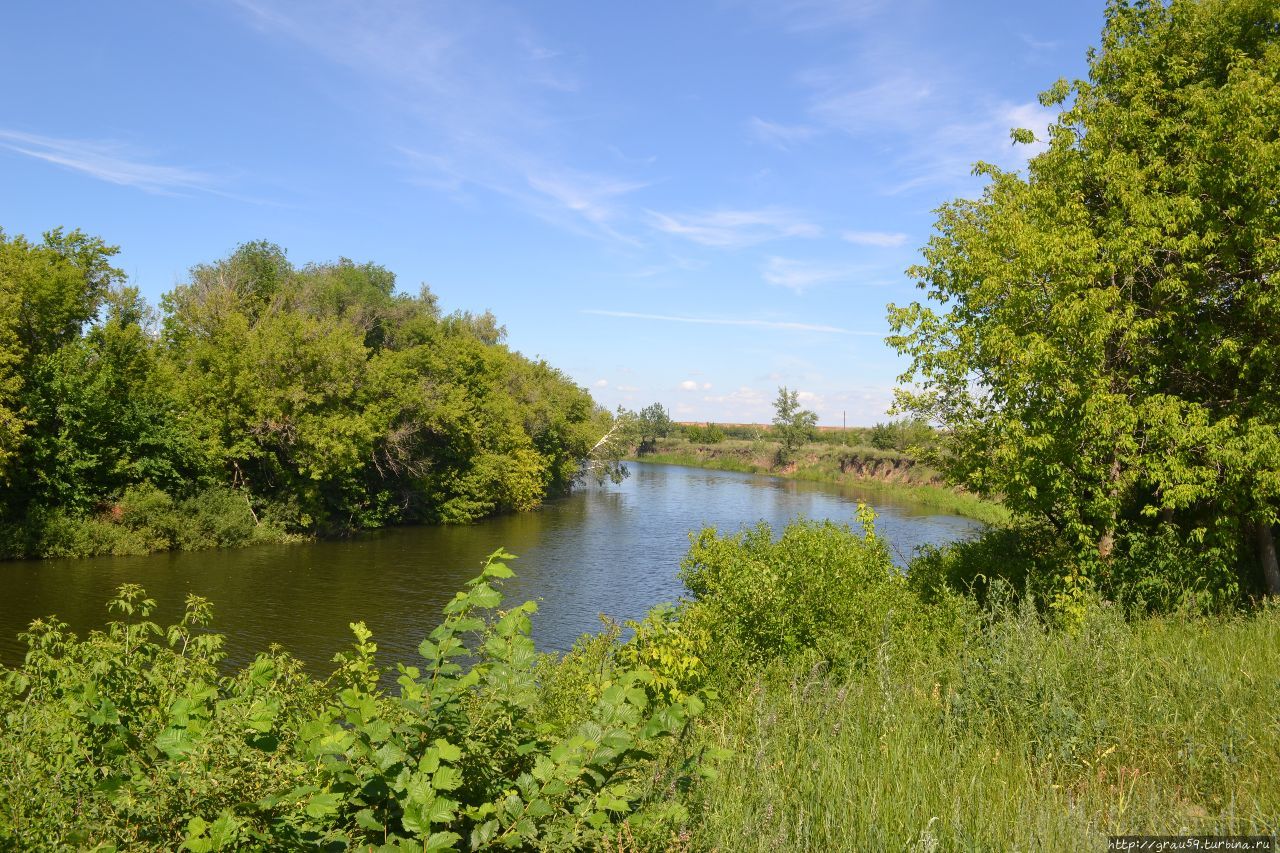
887	472
848	707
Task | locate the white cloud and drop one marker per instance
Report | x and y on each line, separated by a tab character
471	85
627	389
734	229
801	275
847	100
732	321
587	195
933	126
112	162
882	239
688	385
602	383
954	148
706	386
780	135
743	405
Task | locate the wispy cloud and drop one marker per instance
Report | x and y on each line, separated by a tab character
467	121
881	239
956	146
112	162
933	127
732	321
734	229
589	196
817	16
782	136
1039	45
801	275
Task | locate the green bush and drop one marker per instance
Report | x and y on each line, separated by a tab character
905	436
709	434
130	738
819	586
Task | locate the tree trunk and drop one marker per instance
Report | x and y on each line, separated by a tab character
1267	556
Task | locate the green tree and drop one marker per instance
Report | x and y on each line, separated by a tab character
1110	332
792	425
652	423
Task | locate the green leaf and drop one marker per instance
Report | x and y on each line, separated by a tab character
498	570
441	841
447	751
174	742
323	805
484	596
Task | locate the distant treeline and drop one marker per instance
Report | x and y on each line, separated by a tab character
902	435
260	401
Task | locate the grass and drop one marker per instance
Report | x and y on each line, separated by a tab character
892	474
1024	738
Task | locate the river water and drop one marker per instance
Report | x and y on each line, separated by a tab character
614	550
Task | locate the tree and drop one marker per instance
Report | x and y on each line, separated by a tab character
793	426
1108	343
49	291
652	424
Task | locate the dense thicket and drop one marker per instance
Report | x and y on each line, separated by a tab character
264	400
1106	350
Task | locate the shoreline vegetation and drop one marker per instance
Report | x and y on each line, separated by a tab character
807	696
891	473
262	402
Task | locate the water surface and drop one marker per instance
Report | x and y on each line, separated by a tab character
614	550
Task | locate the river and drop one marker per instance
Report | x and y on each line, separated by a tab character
611	549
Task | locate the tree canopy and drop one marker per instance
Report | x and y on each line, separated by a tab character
322	398
1105	333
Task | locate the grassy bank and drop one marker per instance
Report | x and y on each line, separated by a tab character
1022	738
886	472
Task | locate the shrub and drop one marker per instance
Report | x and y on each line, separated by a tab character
130	738
819	586
709	434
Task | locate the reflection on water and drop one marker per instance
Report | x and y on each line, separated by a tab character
614	550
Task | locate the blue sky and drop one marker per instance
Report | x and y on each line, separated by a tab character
688	203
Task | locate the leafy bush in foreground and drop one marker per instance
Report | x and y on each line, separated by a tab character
131	738
819	586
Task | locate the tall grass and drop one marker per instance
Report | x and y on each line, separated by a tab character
1022	738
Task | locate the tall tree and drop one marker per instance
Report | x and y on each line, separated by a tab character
1108	339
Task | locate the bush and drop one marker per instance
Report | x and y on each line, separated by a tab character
130	738
1007	557
709	434
904	436
820	586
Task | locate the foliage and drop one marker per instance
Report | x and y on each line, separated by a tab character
303	400
792	426
907	435
1105	358
651	424
709	434
820	586
131	738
